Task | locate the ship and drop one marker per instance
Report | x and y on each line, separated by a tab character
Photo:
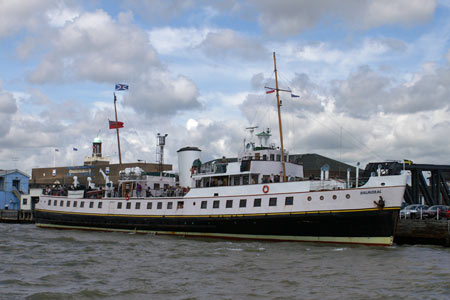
260	195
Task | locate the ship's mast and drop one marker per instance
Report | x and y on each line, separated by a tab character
117	130
279	117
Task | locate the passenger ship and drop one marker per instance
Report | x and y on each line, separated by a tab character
260	196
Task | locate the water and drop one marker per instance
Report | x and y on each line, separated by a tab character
52	264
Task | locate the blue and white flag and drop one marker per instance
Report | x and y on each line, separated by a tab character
294	96
75	149
121	87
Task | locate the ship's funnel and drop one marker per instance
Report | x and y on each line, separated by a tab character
186	158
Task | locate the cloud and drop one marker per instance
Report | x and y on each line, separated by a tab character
365	92
95	47
228	43
8	107
291	17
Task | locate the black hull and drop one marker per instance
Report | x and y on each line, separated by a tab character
346	227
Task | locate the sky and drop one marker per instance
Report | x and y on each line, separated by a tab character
373	78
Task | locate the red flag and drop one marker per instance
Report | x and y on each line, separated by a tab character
114	124
270	91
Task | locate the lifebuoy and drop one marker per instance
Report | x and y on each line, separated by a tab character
265	189
127	197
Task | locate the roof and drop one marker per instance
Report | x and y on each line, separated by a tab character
7	172
97	140
189	149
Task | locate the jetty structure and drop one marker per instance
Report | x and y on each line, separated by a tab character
261	195
16	204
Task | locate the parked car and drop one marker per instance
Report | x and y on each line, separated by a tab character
412	211
438	212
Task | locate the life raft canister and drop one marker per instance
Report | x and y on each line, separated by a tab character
265	189
127	197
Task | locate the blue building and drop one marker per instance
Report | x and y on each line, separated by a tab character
13	184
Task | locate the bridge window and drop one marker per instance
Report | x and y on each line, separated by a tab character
273	202
243	203
257	202
229	204
289	201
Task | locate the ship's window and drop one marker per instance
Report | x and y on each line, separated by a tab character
159	205
180	204
91	204
309	198
229	204
61	203
243	203
156	186
347	196
334	197
257	156
278	157
68	204
75	203
82	204
119	205
265	157
272	157
273	202
100	205
49	202
24	201
257	202
55	202
236	180
245	180
169	205
216	203
128	205
149	205
289	201
321	198
137	205
204	204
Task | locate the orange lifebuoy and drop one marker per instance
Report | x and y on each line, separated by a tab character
265	189
127	197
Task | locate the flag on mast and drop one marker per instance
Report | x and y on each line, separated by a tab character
75	149
270	91
295	96
114	124
121	87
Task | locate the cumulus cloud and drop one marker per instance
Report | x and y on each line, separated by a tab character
365	92
228	43
291	17
98	48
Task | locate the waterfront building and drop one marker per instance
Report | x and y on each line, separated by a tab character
14	190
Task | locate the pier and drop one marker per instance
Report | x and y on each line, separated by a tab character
427	232
16	216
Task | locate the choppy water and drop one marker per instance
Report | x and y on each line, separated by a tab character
52	264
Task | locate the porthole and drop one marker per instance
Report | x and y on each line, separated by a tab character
383	184
334	197
321	197
347	196
309	198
